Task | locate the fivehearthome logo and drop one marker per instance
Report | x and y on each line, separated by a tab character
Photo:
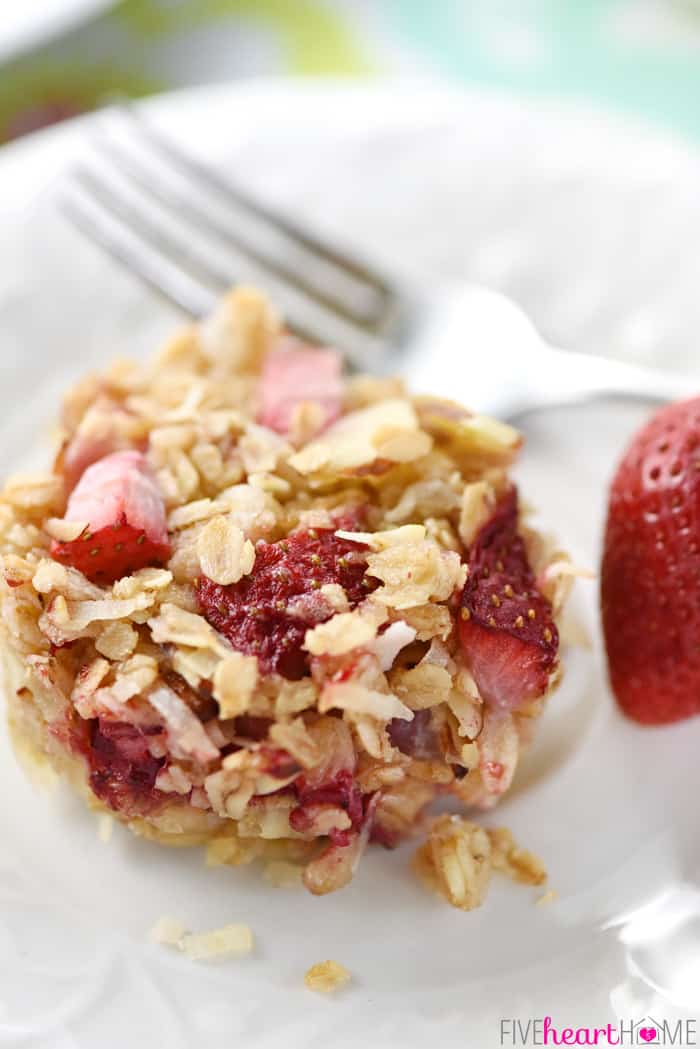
647	1031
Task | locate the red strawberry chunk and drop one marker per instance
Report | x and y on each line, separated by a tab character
417	737
269	611
651	570
295	374
341	792
118	500
506	628
122	770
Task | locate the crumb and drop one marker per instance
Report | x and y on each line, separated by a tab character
226	942
518	864
326	977
168	931
548	897
455	861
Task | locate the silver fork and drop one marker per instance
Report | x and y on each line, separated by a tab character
190	232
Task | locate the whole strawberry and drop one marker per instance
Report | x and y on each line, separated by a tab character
650	585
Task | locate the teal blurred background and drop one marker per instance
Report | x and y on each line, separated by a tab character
637	56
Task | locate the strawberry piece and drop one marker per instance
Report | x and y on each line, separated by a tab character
506	628
341	791
119	501
102	430
417	737
294	375
269	611
110	553
651	568
123	771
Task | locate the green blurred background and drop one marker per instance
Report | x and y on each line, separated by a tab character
638	56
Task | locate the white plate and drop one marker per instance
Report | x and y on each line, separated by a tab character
433	183
32	22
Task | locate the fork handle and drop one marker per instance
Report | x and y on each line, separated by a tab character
571	377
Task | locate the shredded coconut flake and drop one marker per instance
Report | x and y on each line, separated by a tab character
185	730
360	700
478	502
387	645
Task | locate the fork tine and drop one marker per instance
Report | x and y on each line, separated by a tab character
151	182
121	222
153	268
167	244
280	222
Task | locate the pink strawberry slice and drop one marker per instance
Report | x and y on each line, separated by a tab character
296	374
118	500
506	628
100	432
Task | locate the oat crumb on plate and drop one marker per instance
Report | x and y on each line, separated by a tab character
326	977
508	858
455	861
458	857
226	942
233	940
167	931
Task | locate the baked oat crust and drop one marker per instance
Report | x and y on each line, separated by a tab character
336	519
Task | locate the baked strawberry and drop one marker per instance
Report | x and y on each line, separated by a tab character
269	611
506	628
118	500
416	737
341	791
123	771
103	429
295	374
651	570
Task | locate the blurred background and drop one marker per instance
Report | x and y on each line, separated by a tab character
563	171
62	57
